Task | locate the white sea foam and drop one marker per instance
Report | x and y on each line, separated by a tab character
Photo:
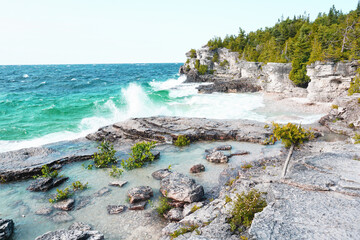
25	76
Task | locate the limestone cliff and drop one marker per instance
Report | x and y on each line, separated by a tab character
231	74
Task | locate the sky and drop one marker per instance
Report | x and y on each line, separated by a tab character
136	31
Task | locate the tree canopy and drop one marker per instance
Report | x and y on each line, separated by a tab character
332	36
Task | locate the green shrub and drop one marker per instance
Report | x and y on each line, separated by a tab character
215	57
115	171
105	156
140	154
78	186
227	199
335	106
358	100
244	208
187	61
203	69
182	140
357	138
47	172
224	63
183	230
192	53
194	208
351	125
163	206
247	166
289	134
355	85
61	195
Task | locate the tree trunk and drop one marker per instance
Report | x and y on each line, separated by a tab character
287	160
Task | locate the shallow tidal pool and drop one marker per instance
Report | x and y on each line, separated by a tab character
19	204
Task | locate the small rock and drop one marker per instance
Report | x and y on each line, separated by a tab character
45	184
175	214
239	153
197	168
115	209
138	206
219	148
181	188
65	205
103	191
118	183
61	217
156	154
160	174
6	228
217	157
44	211
141	193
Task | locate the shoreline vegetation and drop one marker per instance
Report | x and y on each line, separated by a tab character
253	197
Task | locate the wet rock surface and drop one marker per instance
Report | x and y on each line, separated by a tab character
197	168
118	183
138	206
65	205
61	217
217	157
230	86
139	194
45	184
6	228
77	231
44	211
115	209
161	173
181	188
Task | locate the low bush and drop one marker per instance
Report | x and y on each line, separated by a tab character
105	156
78	186
140	154
182	140
46	171
224	63
194	208
244	208
357	138
335	106
163	206
215	58
355	85
61	195
115	171
183	230
192	53
203	69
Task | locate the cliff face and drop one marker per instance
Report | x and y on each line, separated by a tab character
230	74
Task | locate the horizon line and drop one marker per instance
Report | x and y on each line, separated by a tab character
42	64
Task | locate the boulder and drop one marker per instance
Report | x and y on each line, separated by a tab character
115	209
44	211
161	173
45	184
181	188
138	206
118	183
217	157
77	231
197	168
138	194
175	214
65	205
6	228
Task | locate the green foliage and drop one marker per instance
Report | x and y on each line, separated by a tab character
289	134
215	58
183	230
194	208
227	199
78	186
358	100
357	138
247	166
244	208
105	156
115	171
224	63
192	53
334	106
182	140
46	171
355	85
163	206
61	195
140	154
202	69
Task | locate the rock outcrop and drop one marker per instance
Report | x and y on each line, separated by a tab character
6	228
161	173
181	188
77	231
65	205
139	194
217	157
45	184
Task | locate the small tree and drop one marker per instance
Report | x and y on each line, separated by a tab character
291	135
140	154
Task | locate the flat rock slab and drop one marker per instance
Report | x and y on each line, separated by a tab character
181	188
165	129
45	184
138	194
115	209
77	231
118	183
138	206
6	228
217	157
65	205
161	173
61	217
44	211
219	148
102	192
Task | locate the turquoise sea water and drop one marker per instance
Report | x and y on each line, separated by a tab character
42	104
